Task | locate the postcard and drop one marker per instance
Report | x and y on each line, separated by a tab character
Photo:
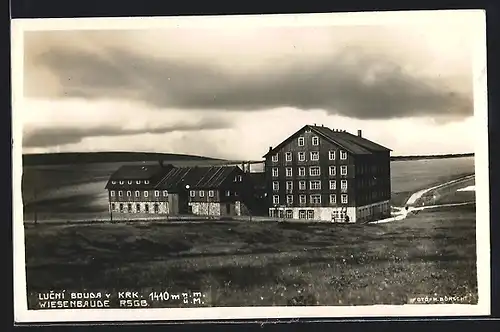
216	168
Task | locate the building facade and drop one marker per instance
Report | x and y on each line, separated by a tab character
158	189
320	173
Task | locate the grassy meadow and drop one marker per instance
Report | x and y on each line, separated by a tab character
254	263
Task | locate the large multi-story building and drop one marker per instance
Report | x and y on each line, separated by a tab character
320	173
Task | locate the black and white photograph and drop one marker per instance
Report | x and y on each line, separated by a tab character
250	167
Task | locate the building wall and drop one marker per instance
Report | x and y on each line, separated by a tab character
139	207
324	163
365	213
215	209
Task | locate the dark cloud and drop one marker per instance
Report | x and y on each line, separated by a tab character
51	136
338	84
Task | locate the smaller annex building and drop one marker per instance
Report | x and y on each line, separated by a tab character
169	190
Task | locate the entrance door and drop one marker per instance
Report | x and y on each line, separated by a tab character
228	209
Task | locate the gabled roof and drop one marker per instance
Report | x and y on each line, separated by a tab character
351	143
129	174
211	177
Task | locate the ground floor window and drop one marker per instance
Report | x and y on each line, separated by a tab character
138	207
310	214
157	208
289	214
302	214
129	207
121	207
113	206
146	208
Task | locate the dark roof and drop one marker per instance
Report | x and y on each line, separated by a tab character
132	173
139	172
351	143
196	177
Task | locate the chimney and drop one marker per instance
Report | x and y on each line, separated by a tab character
359	133
270	148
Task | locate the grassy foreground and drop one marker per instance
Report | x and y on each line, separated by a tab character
245	264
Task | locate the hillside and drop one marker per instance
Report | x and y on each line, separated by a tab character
104	157
439	156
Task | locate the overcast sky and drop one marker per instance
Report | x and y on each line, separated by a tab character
232	92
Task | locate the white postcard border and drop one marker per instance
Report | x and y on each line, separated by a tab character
23	315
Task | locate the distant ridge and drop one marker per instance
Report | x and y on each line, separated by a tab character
440	156
104	157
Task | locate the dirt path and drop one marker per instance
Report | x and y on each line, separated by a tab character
409	207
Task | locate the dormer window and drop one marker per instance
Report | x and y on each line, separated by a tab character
315	140
301	141
113	182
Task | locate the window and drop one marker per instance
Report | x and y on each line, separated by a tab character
228	193
276	199
315	185
302	214
129	207
275	158
344	199
138	182
120	193
138	207
343	184
146	194
113	182
137	194
289	199
121	207
310	214
146	208
302	171
302	185
302	156
122	182
129	193
112	193
315	199
314	155
165	193
332	170
333	199
289	185
331	155
130	182
343	170
157	193
343	155
288	156
202	193
301	141
146	181
276	186
302	199
113	206
192	193
333	185
315	140
240	178
211	193
275	172
288	171
289	214
314	171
